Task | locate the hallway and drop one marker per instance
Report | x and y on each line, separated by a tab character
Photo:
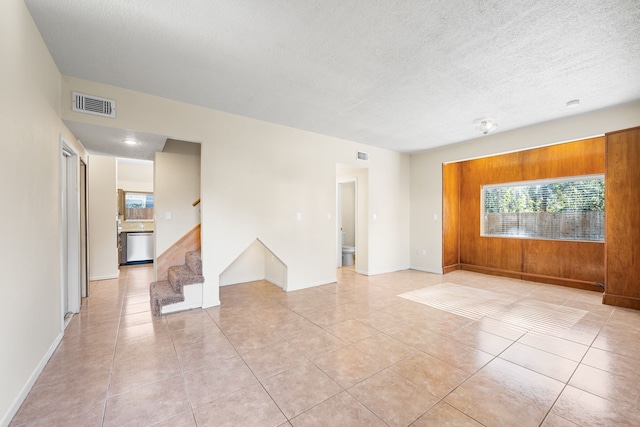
350	353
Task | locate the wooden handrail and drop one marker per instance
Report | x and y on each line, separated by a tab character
195	203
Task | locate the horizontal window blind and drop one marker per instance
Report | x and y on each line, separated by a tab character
566	209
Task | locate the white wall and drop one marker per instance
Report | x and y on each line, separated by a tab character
135	175
30	172
426	168
258	176
102	207
177	186
389	209
248	267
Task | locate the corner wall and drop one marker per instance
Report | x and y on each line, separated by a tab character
102	206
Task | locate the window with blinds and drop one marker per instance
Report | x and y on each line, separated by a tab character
563	209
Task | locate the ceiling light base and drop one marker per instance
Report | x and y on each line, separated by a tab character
485	125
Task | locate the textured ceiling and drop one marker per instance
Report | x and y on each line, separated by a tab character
403	75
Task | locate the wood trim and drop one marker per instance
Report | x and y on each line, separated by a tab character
450	268
540	278
174	254
621	301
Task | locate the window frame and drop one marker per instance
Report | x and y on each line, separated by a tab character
535	182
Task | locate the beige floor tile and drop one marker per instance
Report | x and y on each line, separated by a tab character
348	366
459	355
481	340
537	388
351	330
498	328
185	419
301	388
148	405
295	326
379	320
189	320
316	343
491	405
434	375
142	318
133	373
253	339
249	407
273	359
214	381
613	362
205	352
609	386
444	415
553	420
54	400
586	409
619	340
414	336
341	410
142	333
86	414
118	361
396	400
384	348
558	346
540	361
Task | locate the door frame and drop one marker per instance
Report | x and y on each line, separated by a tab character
70	298
339	217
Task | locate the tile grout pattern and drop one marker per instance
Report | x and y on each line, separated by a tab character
349	353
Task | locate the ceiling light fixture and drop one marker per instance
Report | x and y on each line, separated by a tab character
130	142
485	125
573	103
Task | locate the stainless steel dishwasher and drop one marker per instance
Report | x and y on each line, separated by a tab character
139	247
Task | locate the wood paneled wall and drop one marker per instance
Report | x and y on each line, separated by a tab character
575	264
622	206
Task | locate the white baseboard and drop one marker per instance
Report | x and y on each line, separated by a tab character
428	270
310	285
107	277
244	280
6	419
393	270
275	282
192	299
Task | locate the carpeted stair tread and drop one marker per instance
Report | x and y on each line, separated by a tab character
171	291
162	293
193	260
181	275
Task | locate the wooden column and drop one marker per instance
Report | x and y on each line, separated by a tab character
450	217
622	220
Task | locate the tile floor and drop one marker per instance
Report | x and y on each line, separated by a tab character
345	354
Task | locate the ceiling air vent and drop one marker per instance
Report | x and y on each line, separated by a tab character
94	105
363	156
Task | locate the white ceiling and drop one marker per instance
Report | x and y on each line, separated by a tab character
109	141
403	75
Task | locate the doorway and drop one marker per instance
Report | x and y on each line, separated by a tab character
347	223
70	251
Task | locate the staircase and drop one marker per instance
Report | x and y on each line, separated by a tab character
169	295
